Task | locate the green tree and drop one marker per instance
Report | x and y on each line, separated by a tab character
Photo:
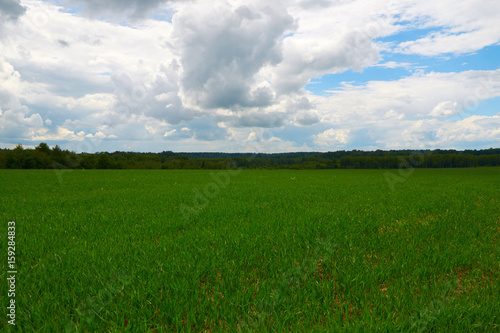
43	148
15	160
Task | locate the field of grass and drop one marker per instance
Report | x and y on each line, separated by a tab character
282	250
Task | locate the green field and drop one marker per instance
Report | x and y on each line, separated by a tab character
281	250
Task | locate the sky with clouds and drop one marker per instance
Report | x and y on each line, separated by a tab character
250	76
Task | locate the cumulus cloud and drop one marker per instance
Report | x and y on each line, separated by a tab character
16	120
391	114
414	96
222	48
332	55
61	134
156	95
395	114
470	129
332	138
170	133
20	125
307	118
330	38
178	134
220	75
445	109
256	140
298	104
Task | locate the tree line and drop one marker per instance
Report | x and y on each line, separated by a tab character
44	157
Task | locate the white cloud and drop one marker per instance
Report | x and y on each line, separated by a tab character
61	134
414	96
170	133
474	128
394	115
445	109
19	125
467	26
223	47
17	122
98	135
306	118
261	140
157	96
222	74
332	138
330	39
394	64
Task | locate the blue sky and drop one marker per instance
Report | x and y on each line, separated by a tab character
156	75
484	59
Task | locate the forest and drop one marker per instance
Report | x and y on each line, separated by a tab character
44	157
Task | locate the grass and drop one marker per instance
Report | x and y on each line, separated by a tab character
317	250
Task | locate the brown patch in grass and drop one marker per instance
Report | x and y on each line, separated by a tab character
383	289
319	274
371	259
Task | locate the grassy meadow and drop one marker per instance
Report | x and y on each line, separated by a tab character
253	250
